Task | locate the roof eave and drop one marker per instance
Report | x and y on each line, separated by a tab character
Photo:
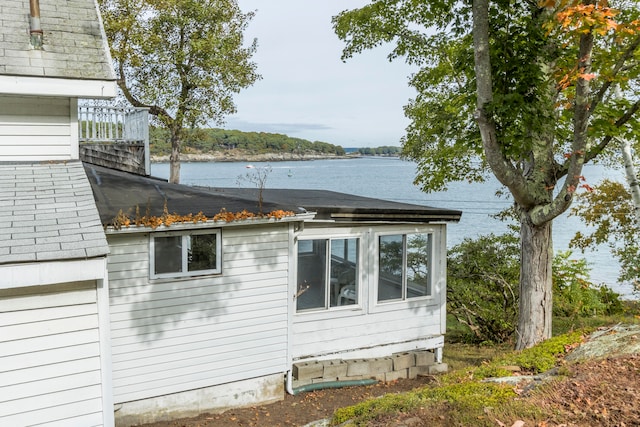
395	217
57	86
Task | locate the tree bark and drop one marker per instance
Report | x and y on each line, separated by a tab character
174	159
536	248
632	178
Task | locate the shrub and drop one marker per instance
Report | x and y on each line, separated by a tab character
483	286
573	293
483	276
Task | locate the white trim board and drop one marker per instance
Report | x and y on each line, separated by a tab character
48	86
48	273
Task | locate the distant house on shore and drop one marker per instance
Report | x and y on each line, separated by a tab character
125	299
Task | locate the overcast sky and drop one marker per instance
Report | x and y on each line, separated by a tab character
307	92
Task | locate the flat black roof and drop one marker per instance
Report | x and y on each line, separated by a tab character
117	191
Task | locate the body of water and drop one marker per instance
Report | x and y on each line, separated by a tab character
392	179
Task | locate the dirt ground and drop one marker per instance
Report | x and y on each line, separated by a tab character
596	391
296	410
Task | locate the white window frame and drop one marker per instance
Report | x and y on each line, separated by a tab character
359	265
404	299
185	254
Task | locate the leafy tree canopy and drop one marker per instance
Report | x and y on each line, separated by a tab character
529	90
184	59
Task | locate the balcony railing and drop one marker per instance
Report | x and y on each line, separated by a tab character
113	132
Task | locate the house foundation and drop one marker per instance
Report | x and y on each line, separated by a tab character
408	364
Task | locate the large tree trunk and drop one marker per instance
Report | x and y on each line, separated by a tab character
534	322
174	159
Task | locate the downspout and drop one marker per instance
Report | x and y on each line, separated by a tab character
35	31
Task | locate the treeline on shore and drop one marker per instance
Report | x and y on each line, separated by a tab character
215	140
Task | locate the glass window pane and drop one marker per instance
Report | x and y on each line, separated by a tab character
312	268
418	257
344	272
167	254
202	252
390	268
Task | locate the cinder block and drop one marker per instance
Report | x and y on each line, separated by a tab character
424	358
403	361
395	375
438	368
416	371
307	370
377	366
355	377
357	367
334	369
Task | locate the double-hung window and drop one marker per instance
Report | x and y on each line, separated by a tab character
404	266
180	254
327	274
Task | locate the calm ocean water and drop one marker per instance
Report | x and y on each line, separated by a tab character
392	179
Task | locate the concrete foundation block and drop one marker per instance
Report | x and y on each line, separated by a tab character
357	367
403	361
396	375
355	378
377	366
415	371
424	358
438	368
308	370
334	369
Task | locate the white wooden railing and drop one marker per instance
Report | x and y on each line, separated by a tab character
113	124
105	124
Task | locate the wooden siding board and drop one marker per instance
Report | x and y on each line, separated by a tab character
52	392
49	356
45	343
71	414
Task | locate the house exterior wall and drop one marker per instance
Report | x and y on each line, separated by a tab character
174	335
371	329
51	366
38	128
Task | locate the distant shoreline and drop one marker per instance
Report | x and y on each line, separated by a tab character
247	157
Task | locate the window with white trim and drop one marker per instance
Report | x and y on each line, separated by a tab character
327	274
404	266
180	254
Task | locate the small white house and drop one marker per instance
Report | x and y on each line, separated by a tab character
54	328
218	313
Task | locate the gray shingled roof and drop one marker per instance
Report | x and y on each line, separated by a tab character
48	213
73	42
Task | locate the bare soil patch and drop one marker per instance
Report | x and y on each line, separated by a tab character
296	410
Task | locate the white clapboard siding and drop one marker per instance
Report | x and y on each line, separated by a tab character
355	332
50	368
35	128
175	335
